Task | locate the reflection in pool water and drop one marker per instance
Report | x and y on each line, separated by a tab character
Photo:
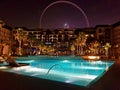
66	69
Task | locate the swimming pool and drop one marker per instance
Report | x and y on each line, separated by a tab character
66	69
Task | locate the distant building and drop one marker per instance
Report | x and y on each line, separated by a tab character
116	40
5	35
61	39
103	33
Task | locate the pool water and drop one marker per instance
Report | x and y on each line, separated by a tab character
66	69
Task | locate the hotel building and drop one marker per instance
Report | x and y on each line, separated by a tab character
116	40
5	36
61	39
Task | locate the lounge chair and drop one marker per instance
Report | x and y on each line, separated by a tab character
1	60
12	63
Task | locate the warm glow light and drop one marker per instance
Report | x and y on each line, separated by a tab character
93	57
3	67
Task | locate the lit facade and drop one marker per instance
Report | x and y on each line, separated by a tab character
116	40
5	36
103	33
58	38
61	39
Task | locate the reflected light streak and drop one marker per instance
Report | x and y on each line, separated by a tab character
94	68
65	61
29	69
30	61
83	76
4	67
36	71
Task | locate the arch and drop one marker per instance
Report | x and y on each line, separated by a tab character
67	2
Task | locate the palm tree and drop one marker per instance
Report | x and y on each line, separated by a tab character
34	42
80	42
31	39
2	23
94	47
20	35
72	48
107	46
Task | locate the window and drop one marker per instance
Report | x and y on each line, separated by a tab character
100	31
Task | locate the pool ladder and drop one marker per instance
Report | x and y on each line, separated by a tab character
52	67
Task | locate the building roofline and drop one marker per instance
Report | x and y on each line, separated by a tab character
116	24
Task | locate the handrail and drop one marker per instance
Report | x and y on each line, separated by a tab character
52	67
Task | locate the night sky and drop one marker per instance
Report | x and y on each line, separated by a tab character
26	13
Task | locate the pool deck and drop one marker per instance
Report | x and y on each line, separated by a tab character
10	81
